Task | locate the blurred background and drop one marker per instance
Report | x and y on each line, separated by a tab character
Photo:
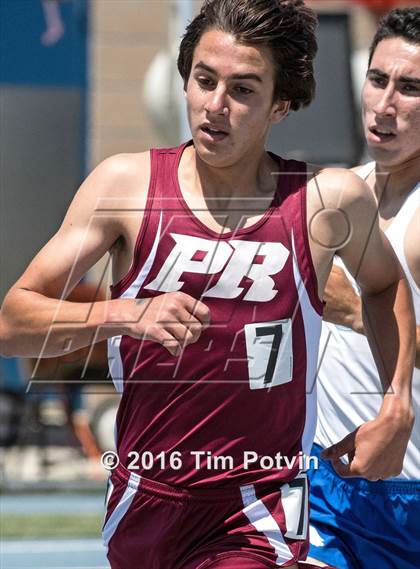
81	80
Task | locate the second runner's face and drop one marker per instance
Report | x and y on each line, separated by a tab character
391	103
230	99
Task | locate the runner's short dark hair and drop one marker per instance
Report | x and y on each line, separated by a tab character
399	23
286	27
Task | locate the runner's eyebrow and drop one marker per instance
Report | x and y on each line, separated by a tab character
403	79
408	79
377	73
241	76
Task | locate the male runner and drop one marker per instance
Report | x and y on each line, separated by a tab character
359	524
215	315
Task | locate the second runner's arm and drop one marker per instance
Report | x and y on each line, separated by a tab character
377	448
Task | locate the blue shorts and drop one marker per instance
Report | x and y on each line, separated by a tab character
357	524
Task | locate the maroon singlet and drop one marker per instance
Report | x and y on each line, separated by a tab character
247	385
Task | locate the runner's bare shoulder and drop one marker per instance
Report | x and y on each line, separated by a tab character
123	174
117	185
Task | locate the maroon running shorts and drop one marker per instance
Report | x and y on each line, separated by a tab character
150	525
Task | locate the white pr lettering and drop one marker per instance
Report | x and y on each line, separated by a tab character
242	265
180	261
235	258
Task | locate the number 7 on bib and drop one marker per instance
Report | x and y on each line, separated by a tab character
269	352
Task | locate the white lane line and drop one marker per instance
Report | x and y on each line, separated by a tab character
28	546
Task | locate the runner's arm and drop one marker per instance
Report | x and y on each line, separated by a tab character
343	306
34	321
378	447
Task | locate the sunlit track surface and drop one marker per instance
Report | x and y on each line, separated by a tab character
53	554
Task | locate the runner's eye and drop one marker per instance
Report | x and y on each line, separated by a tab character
378	81
205	82
243	90
410	88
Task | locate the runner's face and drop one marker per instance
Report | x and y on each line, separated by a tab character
230	99
391	102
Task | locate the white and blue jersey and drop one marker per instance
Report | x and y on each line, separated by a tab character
358	524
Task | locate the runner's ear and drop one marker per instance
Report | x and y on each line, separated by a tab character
280	111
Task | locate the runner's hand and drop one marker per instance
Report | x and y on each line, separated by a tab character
173	319
375	450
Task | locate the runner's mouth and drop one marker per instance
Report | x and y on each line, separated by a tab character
213	132
382	133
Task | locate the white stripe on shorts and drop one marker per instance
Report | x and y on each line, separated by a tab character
109	492
121	509
263	521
